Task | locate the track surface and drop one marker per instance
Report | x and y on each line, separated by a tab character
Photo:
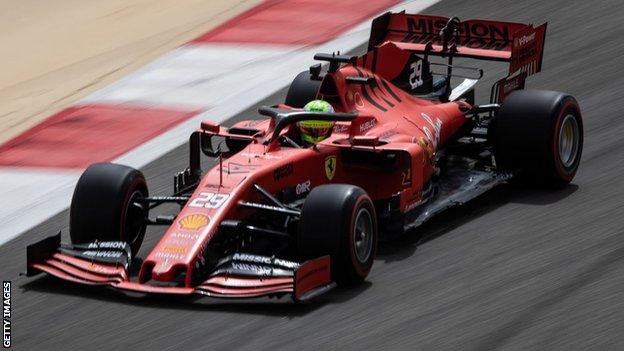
516	269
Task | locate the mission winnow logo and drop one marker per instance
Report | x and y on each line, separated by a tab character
6	314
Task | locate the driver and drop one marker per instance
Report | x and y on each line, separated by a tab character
312	131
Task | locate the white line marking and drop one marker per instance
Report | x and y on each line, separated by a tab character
195	76
32	196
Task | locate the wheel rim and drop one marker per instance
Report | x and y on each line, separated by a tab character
134	219
568	141
363	235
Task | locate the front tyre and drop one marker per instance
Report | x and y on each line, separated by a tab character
339	220
106	206
540	134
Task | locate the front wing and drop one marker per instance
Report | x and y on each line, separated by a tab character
236	276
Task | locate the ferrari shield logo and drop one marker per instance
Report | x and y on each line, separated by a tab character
330	167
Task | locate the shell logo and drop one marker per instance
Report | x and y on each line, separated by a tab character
426	146
193	222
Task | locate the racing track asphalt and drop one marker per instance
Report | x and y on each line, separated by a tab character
516	269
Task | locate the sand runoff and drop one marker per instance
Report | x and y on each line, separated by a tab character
55	52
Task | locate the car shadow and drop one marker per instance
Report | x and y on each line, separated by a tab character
282	306
404	246
396	249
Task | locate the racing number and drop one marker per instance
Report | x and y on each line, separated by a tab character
209	200
415	78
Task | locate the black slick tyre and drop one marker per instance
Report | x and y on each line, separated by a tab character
339	220
540	135
104	206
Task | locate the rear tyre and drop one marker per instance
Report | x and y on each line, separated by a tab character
339	220
104	206
302	90
540	134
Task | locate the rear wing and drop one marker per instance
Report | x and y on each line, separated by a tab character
522	45
519	44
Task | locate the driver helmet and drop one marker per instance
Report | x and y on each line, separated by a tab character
313	131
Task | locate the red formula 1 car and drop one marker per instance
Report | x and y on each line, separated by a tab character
275	216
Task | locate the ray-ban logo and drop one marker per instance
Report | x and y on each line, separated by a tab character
6	314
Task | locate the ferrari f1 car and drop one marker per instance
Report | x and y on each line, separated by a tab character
275	216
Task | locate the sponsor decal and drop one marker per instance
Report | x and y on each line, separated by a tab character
209	200
103	254
108	245
174	249
177	242
507	85
262	270
264	260
526	54
6	314
437	127
169	256
341	128
193	222
367	125
105	251
264	156
473	34
184	236
424	144
283	171
330	167
220	188
387	134
303	188
525	39
237	168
